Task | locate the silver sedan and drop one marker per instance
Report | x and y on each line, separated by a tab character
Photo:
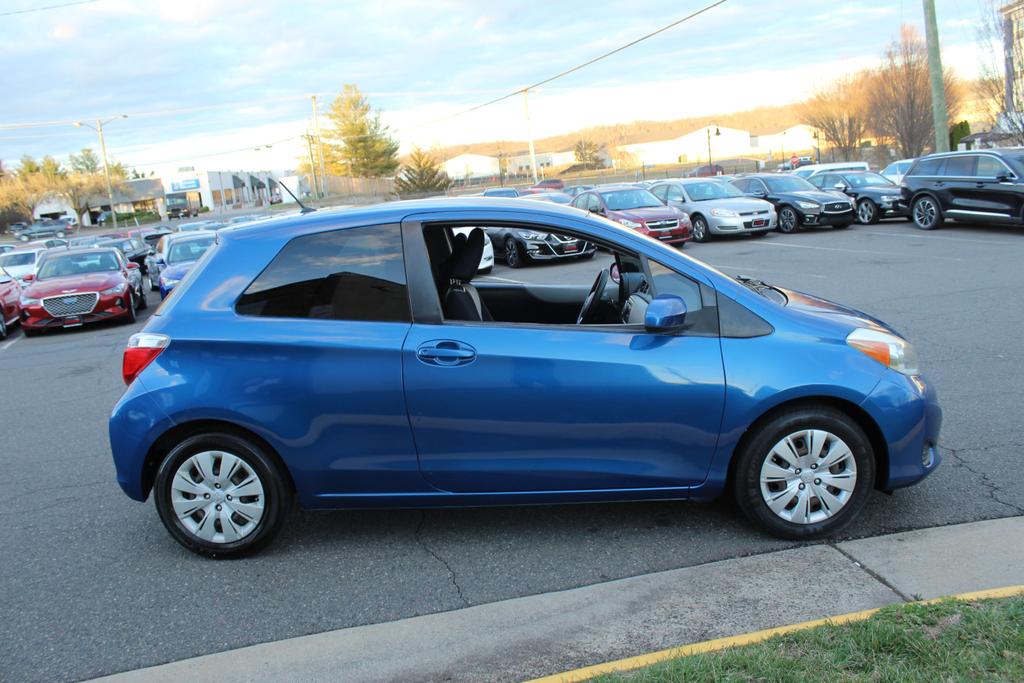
716	207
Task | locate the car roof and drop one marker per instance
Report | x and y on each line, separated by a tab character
617	186
191	235
997	151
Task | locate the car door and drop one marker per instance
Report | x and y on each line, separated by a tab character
9	293
675	196
996	189
521	407
957	184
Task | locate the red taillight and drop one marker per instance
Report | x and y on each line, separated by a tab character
141	350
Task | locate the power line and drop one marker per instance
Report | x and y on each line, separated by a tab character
583	65
29	10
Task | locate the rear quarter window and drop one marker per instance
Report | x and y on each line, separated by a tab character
352	274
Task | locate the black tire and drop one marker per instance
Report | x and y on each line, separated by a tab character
29	332
23	238
132	317
60	234
867	212
789	220
700	229
756	449
143	302
277	494
3	327
154	285
514	256
926	214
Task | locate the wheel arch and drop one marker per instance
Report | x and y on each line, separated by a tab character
176	434
871	429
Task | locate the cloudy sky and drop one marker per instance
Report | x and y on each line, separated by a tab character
209	81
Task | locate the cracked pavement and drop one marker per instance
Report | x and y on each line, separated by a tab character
94	585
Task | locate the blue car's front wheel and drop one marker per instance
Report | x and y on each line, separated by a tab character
805	473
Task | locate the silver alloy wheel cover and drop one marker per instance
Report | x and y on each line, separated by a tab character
924	212
789	223
511	252
808	476
217	497
865	211
700	229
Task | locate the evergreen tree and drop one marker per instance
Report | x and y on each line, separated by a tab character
362	146
421	174
86	162
586	152
957	132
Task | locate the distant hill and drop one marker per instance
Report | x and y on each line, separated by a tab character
758	121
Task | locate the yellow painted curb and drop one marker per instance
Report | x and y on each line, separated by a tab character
639	661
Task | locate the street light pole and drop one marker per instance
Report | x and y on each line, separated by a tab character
529	133
717	133
106	165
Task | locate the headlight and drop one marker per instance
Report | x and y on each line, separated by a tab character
168	282
887	349
630	224
526	235
28	301
890	198
808	205
724	213
116	289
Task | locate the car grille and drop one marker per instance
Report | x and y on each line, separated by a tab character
838	206
759	212
662	225
71	304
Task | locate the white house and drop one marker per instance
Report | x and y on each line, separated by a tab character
520	164
797	138
725	143
467	166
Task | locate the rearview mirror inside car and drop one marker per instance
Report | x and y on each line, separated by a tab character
666	314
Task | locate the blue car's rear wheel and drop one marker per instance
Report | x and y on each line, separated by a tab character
221	495
806	473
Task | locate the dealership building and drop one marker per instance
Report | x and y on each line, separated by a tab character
194	189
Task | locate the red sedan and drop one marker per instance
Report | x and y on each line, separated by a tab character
638	209
79	286
10	295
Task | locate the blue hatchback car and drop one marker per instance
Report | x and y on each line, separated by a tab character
347	359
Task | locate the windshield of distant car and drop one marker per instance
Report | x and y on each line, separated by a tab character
788	183
499	192
862	179
623	200
65	265
192	226
83	241
188	250
125	246
701	192
18	258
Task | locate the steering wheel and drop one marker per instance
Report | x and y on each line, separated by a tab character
593	298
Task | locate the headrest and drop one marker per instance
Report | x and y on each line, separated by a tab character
466	260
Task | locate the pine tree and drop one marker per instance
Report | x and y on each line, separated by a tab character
422	174
362	145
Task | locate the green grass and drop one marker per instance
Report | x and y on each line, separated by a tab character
946	641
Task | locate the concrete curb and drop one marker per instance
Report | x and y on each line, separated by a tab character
533	636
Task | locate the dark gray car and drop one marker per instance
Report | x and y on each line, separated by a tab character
716	207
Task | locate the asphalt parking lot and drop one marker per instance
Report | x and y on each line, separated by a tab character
94	585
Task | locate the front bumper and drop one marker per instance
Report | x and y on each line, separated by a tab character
673	236
111	307
548	250
829	218
907	411
727	225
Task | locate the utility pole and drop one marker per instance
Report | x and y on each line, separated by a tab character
1010	104
529	134
939	114
319	145
312	164
106	166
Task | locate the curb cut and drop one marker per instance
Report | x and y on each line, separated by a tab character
639	661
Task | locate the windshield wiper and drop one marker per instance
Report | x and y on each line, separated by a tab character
759	286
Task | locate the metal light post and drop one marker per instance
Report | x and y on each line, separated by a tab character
817	148
106	166
718	133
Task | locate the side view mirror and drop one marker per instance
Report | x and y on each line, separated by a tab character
840	186
596	209
1003	178
132	265
666	314
160	261
29	278
758	193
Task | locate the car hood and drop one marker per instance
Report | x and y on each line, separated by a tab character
177	271
816	306
817	196
20	271
739	204
879	189
89	282
647	213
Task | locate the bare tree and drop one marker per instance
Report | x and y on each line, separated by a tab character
82	191
837	111
24	192
899	95
1005	111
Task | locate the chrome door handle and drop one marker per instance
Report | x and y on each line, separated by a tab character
445	352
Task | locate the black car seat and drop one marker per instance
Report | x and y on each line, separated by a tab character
461	300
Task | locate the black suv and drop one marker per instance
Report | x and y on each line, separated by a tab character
799	203
982	186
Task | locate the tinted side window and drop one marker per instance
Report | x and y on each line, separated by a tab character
959	167
742	184
701	308
356	274
926	167
990	167
660	191
675	194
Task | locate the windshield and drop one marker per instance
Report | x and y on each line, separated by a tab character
501	193
124	245
862	179
623	200
23	258
78	264
701	192
189	250
184	227
788	183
